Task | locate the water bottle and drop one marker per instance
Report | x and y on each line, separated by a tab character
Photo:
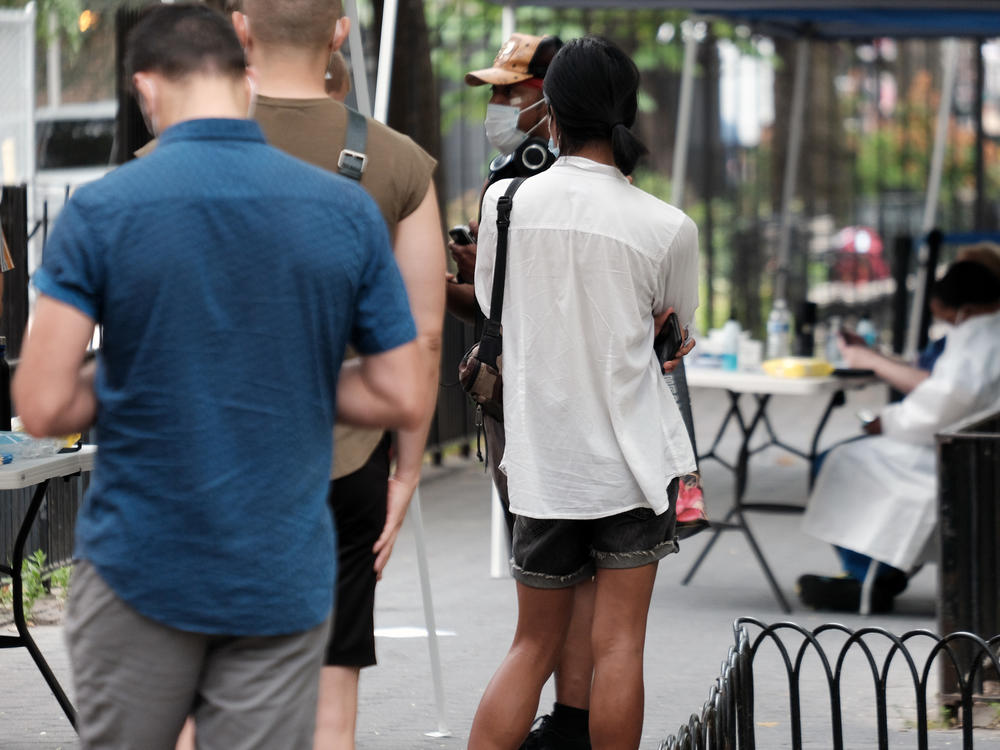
4	386
867	331
833	355
730	344
778	329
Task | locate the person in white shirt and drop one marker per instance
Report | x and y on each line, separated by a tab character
595	441
875	499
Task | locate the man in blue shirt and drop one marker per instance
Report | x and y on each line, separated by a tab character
228	278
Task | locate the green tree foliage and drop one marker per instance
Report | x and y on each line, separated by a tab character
465	35
67	14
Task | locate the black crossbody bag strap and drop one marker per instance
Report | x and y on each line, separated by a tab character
489	345
353	159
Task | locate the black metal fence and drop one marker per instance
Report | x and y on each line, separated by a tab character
52	532
728	719
969	569
14	218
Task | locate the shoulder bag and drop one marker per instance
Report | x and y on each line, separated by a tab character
480	372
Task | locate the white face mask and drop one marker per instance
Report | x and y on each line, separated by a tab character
501	126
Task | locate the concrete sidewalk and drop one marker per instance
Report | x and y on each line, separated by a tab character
690	627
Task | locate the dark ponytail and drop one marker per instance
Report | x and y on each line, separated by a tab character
592	88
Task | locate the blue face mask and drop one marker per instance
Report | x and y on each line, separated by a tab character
553	147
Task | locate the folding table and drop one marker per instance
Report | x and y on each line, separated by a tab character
762	387
37	473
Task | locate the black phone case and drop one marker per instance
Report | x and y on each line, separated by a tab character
668	342
461	236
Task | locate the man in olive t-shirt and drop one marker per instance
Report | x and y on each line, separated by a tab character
398	176
289	45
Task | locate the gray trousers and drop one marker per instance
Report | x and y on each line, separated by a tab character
137	680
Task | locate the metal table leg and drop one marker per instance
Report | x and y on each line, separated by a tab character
726	523
717	528
735	518
742	471
752	541
743	463
23	637
734	410
836	400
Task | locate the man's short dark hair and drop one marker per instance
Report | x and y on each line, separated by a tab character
178	40
967	283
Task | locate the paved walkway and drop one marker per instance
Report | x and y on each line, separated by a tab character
690	627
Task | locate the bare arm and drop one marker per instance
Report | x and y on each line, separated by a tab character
462	301
899	375
421	261
52	389
686	347
379	390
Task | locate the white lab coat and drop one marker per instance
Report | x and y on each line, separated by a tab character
878	496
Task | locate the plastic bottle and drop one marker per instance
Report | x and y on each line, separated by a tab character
832	349
4	386
867	331
730	344
779	326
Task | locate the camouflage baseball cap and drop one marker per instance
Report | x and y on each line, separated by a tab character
521	57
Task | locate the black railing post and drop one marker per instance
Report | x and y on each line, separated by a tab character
969	523
130	129
14	217
902	256
934	242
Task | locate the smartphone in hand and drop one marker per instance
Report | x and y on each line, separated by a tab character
669	340
461	235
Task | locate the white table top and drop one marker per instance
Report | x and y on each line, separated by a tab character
26	472
762	383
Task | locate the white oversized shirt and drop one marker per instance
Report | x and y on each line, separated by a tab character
591	426
878	496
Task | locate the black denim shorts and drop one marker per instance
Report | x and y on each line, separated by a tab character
553	553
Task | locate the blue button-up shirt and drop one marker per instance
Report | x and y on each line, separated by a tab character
228	278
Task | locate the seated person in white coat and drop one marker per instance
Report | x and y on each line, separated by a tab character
875	499
904	376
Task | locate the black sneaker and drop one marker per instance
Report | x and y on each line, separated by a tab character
843	594
544	735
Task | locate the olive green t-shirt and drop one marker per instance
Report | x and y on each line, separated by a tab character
397	176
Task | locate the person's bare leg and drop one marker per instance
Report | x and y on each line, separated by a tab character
185	741
337	713
621	606
575	669
509	703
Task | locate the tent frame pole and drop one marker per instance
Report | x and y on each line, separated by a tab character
924	271
790	182
359	70
508	20
383	82
499	536
386	56
684	106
